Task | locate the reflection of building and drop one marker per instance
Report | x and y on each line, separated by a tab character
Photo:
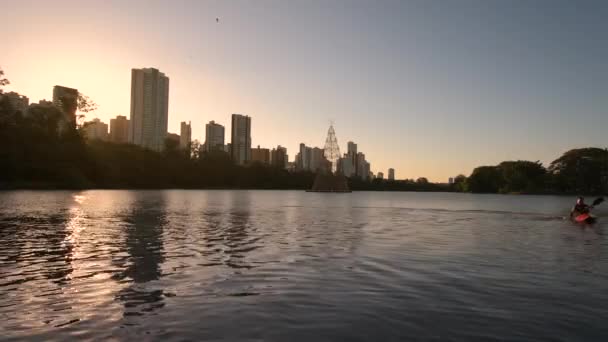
185	135
143	243
96	130
66	99
214	137
278	157
241	139
119	130
19	102
391	174
261	155
149	108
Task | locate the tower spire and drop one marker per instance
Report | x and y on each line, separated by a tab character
332	150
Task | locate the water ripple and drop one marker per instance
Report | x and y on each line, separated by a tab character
264	265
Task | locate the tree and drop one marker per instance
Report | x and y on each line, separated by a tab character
460	184
3	80
422	180
582	171
485	179
522	176
195	149
85	105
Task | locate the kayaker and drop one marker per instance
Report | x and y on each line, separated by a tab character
580	207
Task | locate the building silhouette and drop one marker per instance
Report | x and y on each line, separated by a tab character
303	157
391	174
380	175
19	102
185	135
66	99
149	108
260	155
363	167
119	130
96	130
352	155
214	137
278	157
309	158
241	139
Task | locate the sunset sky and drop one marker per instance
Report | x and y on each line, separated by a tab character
431	88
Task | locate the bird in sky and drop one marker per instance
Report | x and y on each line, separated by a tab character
217	20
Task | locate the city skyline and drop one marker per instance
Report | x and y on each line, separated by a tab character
447	92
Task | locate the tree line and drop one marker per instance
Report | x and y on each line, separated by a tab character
578	171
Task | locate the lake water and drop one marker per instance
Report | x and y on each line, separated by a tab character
297	266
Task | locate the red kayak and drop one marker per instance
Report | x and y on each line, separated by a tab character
585	218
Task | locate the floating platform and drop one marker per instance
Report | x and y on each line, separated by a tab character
329	182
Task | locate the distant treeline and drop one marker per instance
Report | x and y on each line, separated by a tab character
38	151
578	171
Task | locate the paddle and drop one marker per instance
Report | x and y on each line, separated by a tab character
597	201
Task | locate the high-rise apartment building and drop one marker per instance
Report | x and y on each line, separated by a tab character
119	130
278	157
185	135
391	174
363	167
66	99
149	108
96	130
214	137
310	158
241	139
261	155
352	155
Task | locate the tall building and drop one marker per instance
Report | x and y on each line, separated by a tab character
391	174
261	155
66	99
278	157
352	155
380	175
96	130
317	159
310	158
241	139
346	166
303	157
214	137
149	108
185	135
363	167
119	130
19	102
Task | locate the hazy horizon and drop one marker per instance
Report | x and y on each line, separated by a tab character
430	88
